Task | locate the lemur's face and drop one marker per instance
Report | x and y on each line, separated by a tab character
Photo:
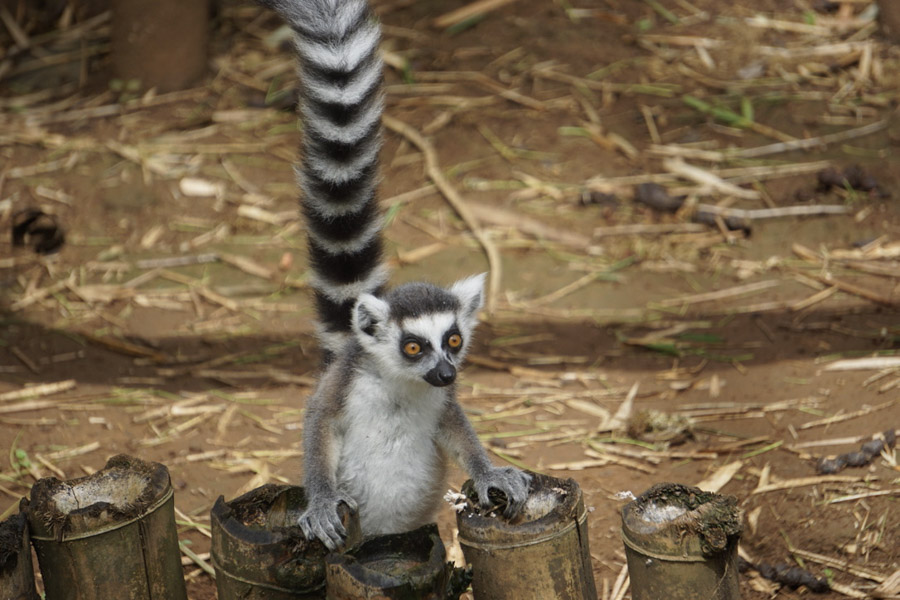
430	347
420	332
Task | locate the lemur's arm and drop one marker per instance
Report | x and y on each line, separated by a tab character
459	440
320	455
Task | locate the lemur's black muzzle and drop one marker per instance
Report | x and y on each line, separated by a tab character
442	374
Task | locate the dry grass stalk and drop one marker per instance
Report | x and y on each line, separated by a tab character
469	11
171	433
461	207
37	391
810	143
528	225
740	290
571	288
852	288
649	229
123	347
197	559
814	299
777	212
589	408
621	461
620	420
848	416
888	588
864	364
830	442
621	585
247	265
28	405
839	564
863	495
678	167
787	484
36	296
73	452
189	522
171	410
720	477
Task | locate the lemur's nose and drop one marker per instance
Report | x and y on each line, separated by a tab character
442	374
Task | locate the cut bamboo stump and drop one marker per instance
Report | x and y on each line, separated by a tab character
16	571
108	535
681	544
542	553
407	566
259	552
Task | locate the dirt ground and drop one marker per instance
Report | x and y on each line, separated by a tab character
544	116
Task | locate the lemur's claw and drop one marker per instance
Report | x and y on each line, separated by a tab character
322	521
509	480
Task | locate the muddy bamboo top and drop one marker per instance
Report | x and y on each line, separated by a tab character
553	505
124	490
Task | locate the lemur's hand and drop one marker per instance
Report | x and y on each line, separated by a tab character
509	480
321	519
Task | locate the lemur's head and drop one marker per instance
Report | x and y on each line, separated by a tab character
420	331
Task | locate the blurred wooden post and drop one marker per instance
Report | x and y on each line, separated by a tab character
161	43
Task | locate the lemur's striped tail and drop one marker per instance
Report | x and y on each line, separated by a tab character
340	106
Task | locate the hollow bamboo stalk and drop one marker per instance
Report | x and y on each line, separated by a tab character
108	535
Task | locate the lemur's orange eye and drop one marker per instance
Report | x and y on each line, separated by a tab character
412	348
454	341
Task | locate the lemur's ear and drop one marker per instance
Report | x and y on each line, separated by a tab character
470	292
368	312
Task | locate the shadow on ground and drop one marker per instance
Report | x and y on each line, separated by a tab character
32	353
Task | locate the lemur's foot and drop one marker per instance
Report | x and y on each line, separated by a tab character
322	521
509	480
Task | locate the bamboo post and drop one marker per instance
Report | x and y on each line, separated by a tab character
541	553
411	566
681	543
108	535
16	571
259	552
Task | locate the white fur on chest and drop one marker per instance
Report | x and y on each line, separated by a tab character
388	460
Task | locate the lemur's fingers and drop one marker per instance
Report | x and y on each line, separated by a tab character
317	524
512	482
349	502
516	493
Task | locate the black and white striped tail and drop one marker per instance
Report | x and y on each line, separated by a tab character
340	106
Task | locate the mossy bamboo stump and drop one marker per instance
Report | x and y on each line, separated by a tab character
108	535
258	551
16	571
402	566
542	553
681	544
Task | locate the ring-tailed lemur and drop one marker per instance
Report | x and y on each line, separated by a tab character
384	418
